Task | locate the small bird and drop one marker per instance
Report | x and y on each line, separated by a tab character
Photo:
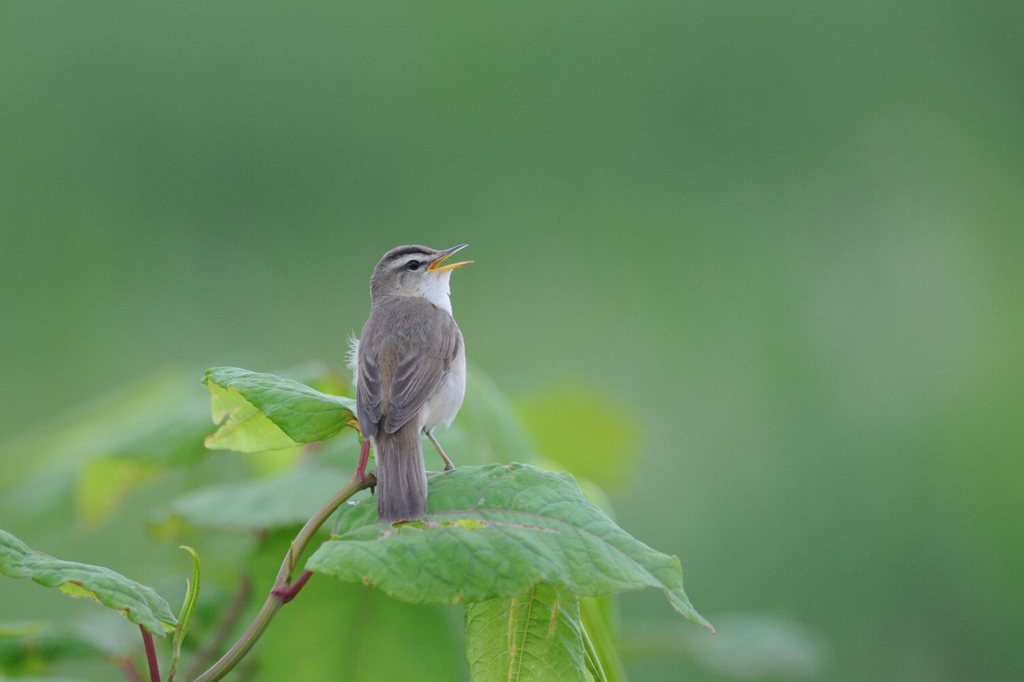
410	372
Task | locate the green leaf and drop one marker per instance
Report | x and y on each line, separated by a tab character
101	453
498	530
188	607
133	419
356	634
749	646
257	411
46	678
260	504
31	647
585	432
140	604
594	666
23	629
597	615
533	636
104	485
361	635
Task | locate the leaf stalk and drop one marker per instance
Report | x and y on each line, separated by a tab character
151	659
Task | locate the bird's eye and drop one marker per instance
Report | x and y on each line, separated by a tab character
413	265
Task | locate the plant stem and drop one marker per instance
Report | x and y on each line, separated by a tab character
154	664
292	591
275	600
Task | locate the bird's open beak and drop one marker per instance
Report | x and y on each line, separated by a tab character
438	265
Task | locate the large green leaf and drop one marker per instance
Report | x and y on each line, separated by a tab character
138	603
159	418
261	504
99	453
105	483
349	632
533	636
495	531
586	432
31	647
750	646
599	617
257	411
356	634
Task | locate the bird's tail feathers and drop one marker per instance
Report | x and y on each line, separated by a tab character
401	476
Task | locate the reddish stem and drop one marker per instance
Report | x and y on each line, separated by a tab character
290	592
154	664
364	458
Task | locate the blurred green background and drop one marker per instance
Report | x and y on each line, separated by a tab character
784	238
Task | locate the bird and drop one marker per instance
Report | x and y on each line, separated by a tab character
410	373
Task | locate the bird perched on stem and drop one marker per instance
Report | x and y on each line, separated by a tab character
410	373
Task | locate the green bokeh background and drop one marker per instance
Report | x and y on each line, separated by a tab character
785	237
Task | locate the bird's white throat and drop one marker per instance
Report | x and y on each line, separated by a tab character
436	288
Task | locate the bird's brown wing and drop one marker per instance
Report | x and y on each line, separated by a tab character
369	388
407	347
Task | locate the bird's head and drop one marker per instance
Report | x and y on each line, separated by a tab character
417	271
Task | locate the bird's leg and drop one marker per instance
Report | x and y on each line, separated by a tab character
448	463
364	457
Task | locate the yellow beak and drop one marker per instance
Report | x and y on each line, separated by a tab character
438	264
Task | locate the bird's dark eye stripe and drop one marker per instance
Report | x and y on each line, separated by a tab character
409	251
